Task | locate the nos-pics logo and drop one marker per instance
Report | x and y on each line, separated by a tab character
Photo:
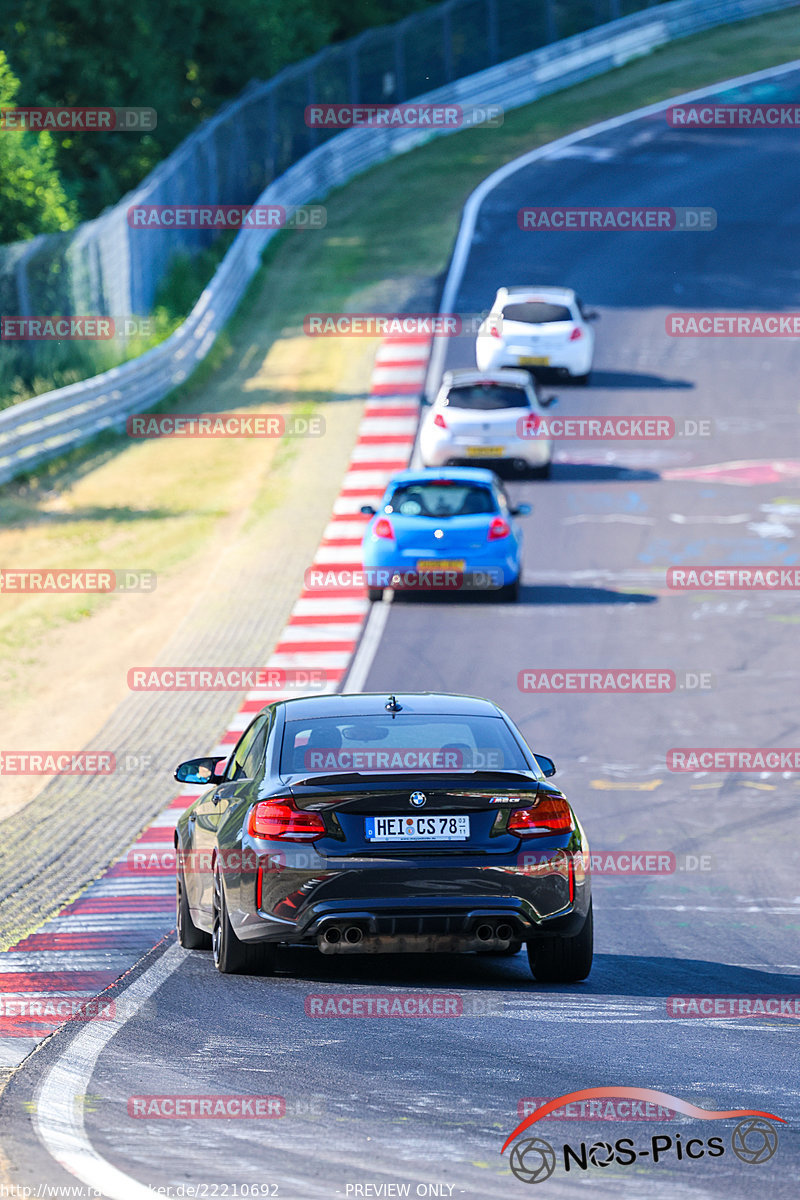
533	1159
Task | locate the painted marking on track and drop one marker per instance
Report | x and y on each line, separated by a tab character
610	785
744	473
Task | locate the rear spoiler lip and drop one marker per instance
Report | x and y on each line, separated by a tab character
416	780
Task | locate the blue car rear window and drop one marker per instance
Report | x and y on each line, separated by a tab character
441	500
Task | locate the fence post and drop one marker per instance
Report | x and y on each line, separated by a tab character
400	64
311	96
550	21
352	68
447	44
492	40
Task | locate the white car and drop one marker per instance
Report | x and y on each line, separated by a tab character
484	418
535	328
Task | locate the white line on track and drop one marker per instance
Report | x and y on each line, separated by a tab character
59	1111
368	647
466	232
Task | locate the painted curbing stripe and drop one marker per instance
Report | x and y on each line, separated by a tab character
409	373
376	452
95	938
351	555
398	352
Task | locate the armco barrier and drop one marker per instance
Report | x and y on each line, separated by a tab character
40	428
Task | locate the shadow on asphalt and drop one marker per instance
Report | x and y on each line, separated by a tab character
635	379
622	975
612	976
568	472
532	595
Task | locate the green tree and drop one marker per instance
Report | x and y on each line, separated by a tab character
33	197
183	58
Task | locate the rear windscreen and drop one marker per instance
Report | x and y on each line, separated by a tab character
536	312
441	500
488	397
405	743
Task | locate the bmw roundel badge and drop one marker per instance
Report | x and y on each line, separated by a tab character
418	799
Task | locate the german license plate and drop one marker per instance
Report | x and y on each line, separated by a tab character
540	361
416	829
486	451
440	564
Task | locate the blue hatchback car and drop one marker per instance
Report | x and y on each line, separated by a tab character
450	528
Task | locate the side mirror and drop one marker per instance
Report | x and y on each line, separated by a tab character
199	770
546	401
546	765
368	510
591	316
521	510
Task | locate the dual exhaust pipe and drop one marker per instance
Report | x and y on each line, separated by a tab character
501	932
345	938
340	936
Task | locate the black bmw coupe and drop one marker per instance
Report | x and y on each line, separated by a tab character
372	823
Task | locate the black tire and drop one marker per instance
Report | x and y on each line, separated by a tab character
232	957
581	380
375	595
542	472
509	594
563	959
189	936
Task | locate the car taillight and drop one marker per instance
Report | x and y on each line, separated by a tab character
383	528
440	421
495	331
281	821
576	333
498	528
551	815
529	425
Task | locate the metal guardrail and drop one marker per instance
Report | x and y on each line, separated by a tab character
40	428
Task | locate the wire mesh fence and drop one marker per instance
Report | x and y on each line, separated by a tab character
106	268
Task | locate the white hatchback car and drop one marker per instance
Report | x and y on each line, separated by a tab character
535	328
484	418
